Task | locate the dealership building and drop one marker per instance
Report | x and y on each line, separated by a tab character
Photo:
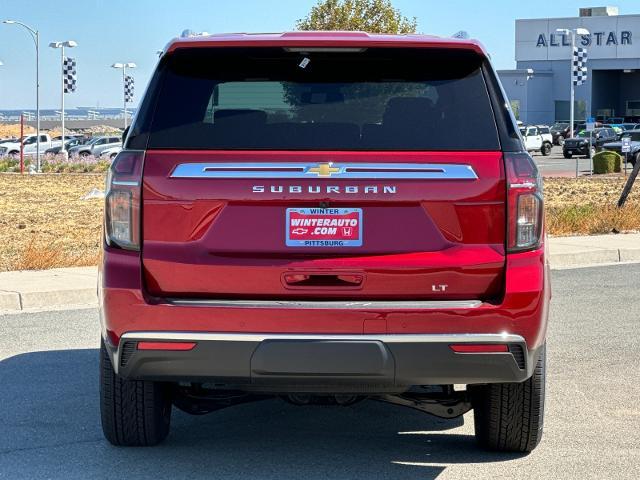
539	87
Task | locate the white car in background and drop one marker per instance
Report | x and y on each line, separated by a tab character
110	153
537	138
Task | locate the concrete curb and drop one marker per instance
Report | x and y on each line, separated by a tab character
46	289
60	287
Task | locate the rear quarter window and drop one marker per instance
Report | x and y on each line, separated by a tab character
271	98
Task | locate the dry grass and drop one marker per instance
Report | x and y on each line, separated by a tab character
13	130
45	224
588	206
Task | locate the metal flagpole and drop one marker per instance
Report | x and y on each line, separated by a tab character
35	35
573	91
62	149
124	92
38	99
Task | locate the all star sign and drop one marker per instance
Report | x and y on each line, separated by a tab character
609	38
624	37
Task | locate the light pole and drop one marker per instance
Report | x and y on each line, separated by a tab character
572	32
61	45
35	35
124	67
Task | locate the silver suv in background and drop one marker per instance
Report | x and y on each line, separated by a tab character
96	146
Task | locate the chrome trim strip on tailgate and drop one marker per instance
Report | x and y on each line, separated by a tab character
385	338
329	304
373	171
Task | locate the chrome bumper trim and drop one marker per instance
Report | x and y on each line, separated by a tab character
384	338
330	304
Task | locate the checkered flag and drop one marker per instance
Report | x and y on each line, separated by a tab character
579	70
128	89
69	74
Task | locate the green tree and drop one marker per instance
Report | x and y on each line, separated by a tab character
373	16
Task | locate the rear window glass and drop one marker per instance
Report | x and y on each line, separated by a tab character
375	99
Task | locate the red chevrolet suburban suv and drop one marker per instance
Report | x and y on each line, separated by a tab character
300	215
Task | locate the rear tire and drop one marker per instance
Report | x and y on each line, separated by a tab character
509	416
133	412
546	149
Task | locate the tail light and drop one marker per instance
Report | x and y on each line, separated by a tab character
122	201
525	202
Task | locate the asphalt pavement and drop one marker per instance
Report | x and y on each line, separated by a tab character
50	427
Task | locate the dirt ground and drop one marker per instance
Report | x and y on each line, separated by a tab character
44	222
13	130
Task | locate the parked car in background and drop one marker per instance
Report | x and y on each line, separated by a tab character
634	154
617	127
96	146
71	142
580	144
629	126
110	153
537	138
29	143
559	131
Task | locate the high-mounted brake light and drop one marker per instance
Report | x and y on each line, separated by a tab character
525	201
122	201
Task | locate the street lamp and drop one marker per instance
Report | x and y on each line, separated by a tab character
61	45
572	32
124	67
35	35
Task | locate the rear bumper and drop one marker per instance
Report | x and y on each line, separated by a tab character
322	363
411	339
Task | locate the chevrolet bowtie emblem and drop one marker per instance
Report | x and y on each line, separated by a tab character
324	170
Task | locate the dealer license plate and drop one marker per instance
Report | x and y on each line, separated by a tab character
324	227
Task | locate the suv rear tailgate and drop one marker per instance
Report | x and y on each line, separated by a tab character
430	238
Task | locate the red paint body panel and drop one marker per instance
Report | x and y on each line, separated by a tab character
325	39
522	311
217	238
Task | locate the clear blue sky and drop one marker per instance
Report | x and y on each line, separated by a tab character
109	31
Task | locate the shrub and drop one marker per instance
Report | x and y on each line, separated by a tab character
58	164
607	162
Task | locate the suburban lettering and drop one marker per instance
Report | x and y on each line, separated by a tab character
348	189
